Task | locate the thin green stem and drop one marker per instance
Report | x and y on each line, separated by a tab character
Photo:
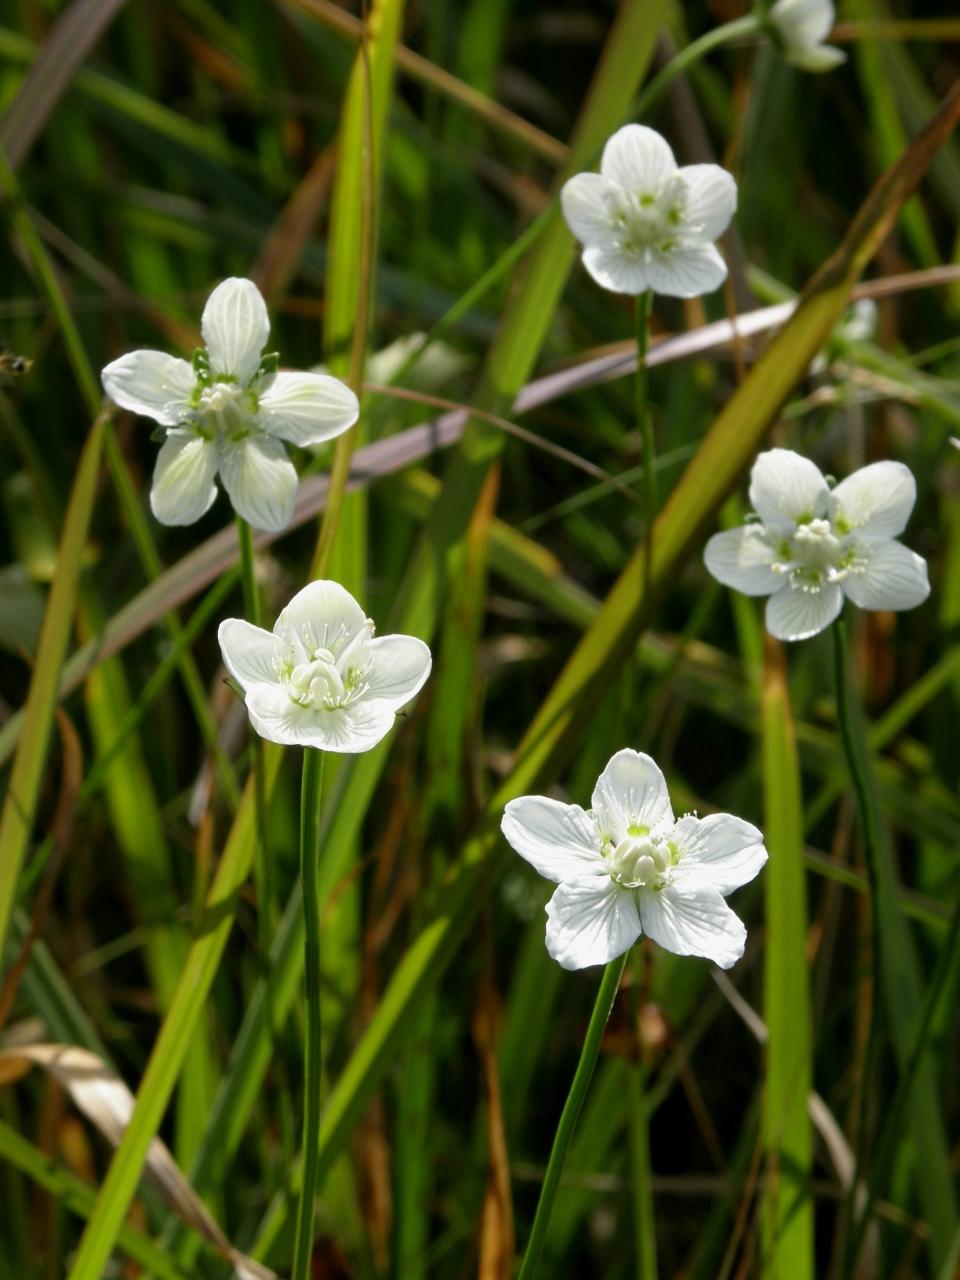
893	1124
264	877
571	1110
645	424
312	786
748	25
248	575
867	820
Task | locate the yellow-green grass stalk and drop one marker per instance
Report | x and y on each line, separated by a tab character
787	1205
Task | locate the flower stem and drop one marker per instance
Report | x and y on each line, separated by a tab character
748	25
644	422
311	788
867	819
571	1110
248	579
251	608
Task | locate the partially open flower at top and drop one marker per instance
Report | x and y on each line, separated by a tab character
320	678
812	545
644	223
800	27
229	412
627	867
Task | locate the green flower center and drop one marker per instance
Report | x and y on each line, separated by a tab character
816	555
640	861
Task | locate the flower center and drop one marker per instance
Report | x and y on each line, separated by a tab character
318	681
640	861
653	219
814	556
224	409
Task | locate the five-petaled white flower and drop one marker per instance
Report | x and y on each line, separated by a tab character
812	545
320	679
644	223
229	412
800	27
627	867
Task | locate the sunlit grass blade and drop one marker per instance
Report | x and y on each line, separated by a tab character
788	1243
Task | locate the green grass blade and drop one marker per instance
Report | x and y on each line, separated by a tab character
23	789
78	1197
78	28
173	1042
787	1134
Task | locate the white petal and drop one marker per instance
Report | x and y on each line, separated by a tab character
711	199
802	22
250	654
631	791
687	271
558	840
877	500
183	479
589	201
616	270
235	328
307	408
591	922
786	487
693	920
346	730
741	558
260	479
637	158
720	850
151	383
894	577
322	615
401	665
796	615
821	57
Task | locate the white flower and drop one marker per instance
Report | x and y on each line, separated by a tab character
812	545
627	868
320	679
644	223
229	412
801	26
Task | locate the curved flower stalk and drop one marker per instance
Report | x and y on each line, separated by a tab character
813	546
320	678
800	28
646	224
229	413
627	867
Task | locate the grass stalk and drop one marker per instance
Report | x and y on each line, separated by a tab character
609	985
312	786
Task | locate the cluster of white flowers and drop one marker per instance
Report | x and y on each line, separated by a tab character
321	679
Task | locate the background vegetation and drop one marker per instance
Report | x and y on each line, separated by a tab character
150	151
